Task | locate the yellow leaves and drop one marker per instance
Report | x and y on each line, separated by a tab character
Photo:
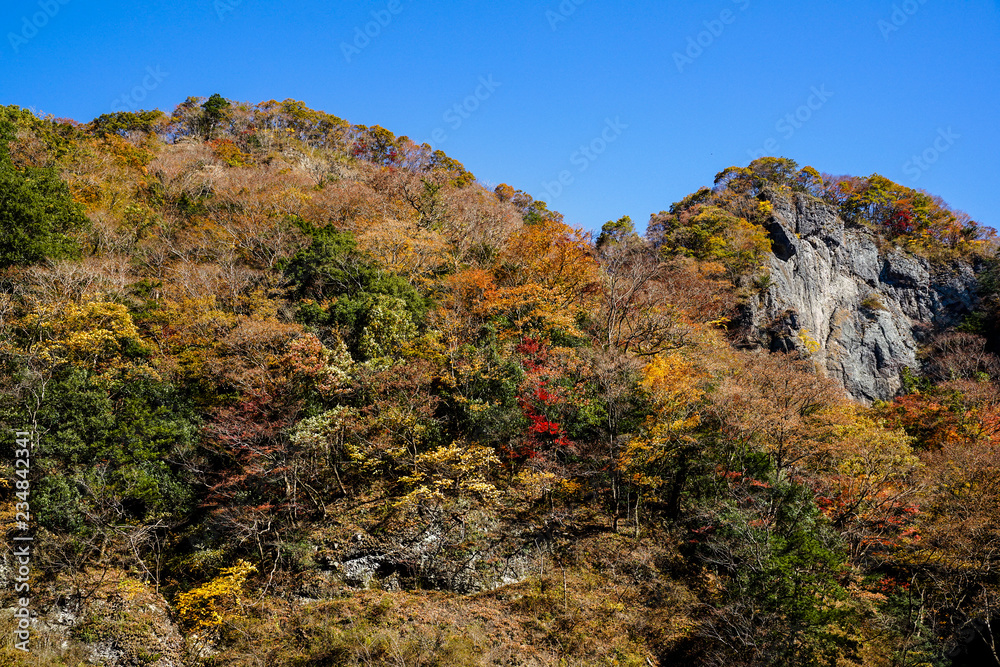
808	342
8	510
673	382
206	607
130	588
529	308
404	248
197	320
711	233
873	466
557	257
549	277
99	335
532	484
473	295
676	387
8	517
202	342
127	154
867	447
455	470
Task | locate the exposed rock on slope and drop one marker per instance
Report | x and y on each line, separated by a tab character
104	618
859	309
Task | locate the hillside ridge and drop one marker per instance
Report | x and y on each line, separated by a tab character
292	391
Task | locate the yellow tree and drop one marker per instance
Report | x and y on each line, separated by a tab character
658	462
205	611
98	335
556	256
868	483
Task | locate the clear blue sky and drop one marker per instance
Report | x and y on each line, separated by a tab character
887	81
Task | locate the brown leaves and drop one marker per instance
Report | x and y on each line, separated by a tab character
473	298
404	248
778	403
957	355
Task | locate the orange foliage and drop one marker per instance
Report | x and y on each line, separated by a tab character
557	257
925	418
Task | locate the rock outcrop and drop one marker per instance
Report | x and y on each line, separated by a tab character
850	300
106	617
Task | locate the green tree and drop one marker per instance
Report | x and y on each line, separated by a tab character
38	217
109	452
214	113
780	567
127	122
618	232
352	290
713	234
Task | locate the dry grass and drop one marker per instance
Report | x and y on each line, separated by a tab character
607	603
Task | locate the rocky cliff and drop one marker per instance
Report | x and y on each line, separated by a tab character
855	304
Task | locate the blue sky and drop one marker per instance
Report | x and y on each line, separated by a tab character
602	109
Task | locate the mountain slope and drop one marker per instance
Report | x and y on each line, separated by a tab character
303	392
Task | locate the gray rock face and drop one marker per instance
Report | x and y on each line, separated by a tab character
856	306
465	558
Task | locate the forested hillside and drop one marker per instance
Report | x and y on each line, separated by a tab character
307	393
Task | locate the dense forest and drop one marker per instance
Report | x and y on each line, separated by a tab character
304	392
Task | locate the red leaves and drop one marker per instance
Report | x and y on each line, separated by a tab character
901	221
535	353
537	402
737	478
923	417
541	430
539	424
701	534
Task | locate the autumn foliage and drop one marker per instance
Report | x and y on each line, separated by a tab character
272	357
